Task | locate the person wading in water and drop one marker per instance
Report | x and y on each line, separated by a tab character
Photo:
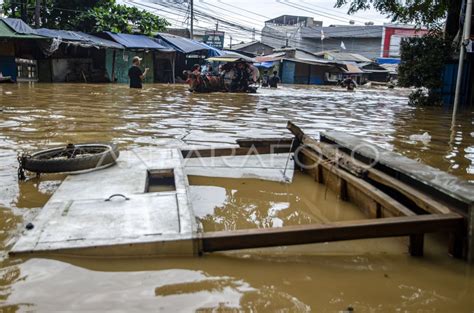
135	73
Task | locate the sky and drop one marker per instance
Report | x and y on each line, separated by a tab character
253	13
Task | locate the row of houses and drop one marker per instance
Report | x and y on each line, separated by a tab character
371	41
48	55
297	66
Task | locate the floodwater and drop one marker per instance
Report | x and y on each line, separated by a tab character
369	275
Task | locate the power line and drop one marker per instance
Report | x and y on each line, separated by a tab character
353	17
239	8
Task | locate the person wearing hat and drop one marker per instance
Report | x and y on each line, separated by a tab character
135	73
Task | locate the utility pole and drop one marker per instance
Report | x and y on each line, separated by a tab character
230	42
465	38
253	34
217	26
37	13
191	2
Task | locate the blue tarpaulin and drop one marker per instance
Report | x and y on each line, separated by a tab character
62	34
182	44
79	38
19	26
100	41
388	61
136	41
213	52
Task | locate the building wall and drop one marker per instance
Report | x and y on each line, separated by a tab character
368	47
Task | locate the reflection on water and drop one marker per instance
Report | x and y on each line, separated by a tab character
371	275
230	204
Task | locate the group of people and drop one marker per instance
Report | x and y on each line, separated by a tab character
270	81
233	76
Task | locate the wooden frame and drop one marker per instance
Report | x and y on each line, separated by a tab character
370	189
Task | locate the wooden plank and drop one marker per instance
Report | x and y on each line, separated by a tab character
417	242
396	208
218	152
337	231
257	142
422	200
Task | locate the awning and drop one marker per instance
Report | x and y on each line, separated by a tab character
7	32
212	52
136	41
182	44
223	59
231	57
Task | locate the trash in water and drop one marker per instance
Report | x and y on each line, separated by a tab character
424	138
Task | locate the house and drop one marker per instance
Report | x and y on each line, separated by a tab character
19	50
302	71
71	56
253	47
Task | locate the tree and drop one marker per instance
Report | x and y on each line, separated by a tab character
120	19
423	60
422	12
87	15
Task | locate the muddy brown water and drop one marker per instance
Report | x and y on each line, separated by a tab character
369	275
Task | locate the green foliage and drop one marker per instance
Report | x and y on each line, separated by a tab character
87	16
120	19
422	63
422	12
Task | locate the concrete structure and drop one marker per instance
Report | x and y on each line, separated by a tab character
82	218
138	207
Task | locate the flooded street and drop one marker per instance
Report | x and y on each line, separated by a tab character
370	275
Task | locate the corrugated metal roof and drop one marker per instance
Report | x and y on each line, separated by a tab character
344	56
135	41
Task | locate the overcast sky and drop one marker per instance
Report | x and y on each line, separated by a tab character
253	13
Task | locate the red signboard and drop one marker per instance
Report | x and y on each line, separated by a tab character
392	38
